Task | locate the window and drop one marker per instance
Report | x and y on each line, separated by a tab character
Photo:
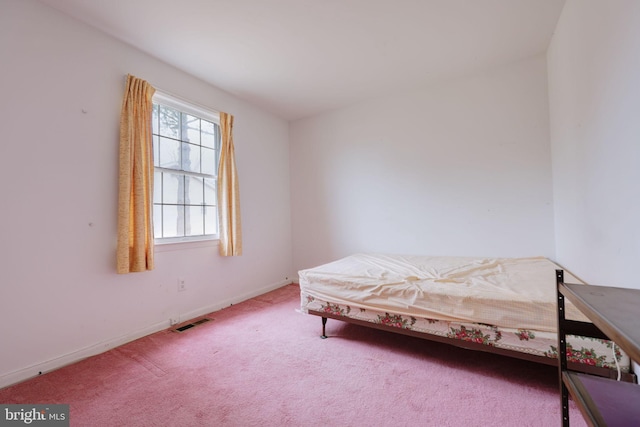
186	147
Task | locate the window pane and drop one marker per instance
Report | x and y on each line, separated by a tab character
173	221
208	134
154	119
190	158
169	154
157	187
209	165
190	129
210	191
184	204
172	188
156	150
195	190
210	220
195	221
169	122
157	221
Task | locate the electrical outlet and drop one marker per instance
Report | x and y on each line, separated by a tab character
182	285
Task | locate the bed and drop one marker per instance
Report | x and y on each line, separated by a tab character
501	305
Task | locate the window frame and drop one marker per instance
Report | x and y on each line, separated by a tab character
204	113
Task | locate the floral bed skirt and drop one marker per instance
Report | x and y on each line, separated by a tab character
590	351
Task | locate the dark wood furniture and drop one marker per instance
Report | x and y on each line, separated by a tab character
614	313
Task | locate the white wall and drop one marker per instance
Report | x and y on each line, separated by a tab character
594	95
60	297
461	168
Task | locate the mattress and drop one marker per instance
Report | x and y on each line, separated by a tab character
589	351
507	303
504	292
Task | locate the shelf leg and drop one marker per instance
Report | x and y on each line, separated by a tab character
562	351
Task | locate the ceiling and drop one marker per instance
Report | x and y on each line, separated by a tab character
297	58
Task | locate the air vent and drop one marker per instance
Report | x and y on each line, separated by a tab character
192	324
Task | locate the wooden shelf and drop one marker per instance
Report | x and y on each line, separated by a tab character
603	401
613	311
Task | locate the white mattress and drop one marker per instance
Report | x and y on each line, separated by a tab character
505	292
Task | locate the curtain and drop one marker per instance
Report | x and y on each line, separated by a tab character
135	187
228	192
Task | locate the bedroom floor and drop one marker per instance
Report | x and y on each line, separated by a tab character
262	363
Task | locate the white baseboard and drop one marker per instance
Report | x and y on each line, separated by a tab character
75	356
226	303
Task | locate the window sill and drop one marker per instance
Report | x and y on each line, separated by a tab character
178	246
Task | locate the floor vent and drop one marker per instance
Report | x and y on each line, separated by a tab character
192	324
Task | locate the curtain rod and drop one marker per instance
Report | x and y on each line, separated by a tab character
177	97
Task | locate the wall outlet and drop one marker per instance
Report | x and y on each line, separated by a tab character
182	285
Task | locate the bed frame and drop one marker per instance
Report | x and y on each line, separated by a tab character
588	369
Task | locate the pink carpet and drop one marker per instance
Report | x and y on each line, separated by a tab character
261	363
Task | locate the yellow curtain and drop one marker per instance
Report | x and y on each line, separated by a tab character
135	195
228	192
